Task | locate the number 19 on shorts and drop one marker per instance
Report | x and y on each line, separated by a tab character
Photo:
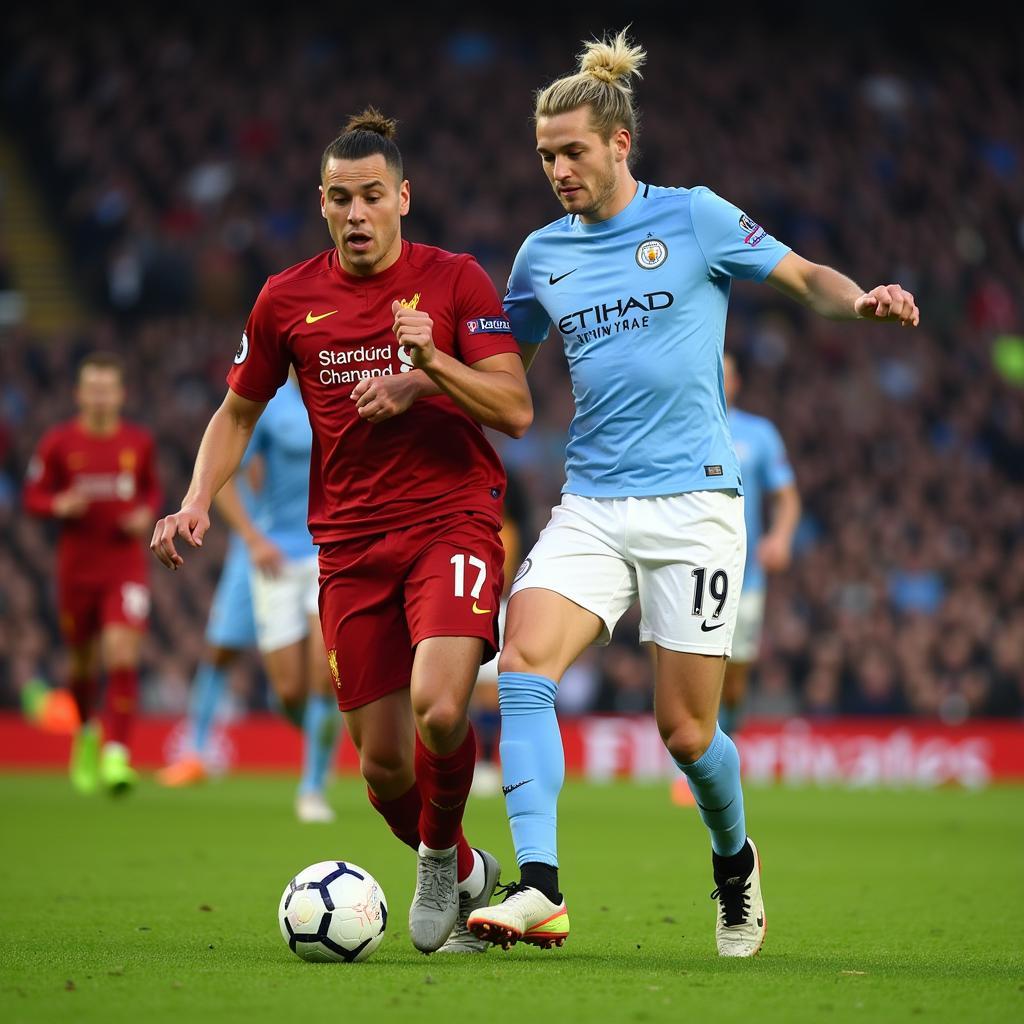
717	587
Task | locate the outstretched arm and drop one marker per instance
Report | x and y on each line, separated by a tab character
220	454
835	296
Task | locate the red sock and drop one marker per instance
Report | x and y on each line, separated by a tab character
122	698
83	691
444	782
402	814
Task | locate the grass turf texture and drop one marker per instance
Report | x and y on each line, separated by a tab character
882	906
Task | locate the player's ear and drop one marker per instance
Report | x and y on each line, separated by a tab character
622	143
404	197
323	201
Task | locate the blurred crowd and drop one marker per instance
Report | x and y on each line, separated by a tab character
180	166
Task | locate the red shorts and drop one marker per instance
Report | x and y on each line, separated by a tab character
85	608
381	595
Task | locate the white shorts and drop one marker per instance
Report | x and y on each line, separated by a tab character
282	604
746	641
681	554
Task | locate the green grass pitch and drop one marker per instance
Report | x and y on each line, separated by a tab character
882	906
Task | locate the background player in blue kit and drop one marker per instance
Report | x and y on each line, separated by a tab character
636	279
771	507
230	630
270	526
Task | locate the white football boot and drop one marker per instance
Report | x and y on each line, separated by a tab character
741	923
525	915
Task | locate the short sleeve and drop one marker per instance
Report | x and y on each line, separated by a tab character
778	473
262	360
481	327
528	319
733	244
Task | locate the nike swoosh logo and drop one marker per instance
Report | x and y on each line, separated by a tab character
705	628
310	319
441	807
508	789
480	611
554	280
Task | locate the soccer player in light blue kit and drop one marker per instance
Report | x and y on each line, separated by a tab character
636	280
230	629
771	507
271	525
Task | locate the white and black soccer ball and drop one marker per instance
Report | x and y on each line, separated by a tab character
333	912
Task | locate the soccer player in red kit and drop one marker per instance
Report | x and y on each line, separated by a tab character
402	352
96	474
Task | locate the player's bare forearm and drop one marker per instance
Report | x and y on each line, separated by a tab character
820	288
785	511
776	547
382	398
220	452
836	297
493	391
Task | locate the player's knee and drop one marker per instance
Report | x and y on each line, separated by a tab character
290	692
687	739
439	721
514	658
387	774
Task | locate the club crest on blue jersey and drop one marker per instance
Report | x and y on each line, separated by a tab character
651	253
489	325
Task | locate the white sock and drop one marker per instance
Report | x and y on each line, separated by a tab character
473	884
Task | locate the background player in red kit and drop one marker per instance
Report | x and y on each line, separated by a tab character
97	475
402	351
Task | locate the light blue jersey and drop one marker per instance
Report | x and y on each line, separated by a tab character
765	469
640	301
231	624
284	440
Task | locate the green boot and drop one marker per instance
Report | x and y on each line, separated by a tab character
84	768
116	772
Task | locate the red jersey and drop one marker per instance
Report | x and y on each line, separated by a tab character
117	473
335	328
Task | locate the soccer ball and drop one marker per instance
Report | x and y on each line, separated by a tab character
333	912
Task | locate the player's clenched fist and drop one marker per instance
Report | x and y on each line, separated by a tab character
889	302
191	524
414	330
380	398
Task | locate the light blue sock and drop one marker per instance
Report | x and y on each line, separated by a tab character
320	733
532	763
715	783
207	689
